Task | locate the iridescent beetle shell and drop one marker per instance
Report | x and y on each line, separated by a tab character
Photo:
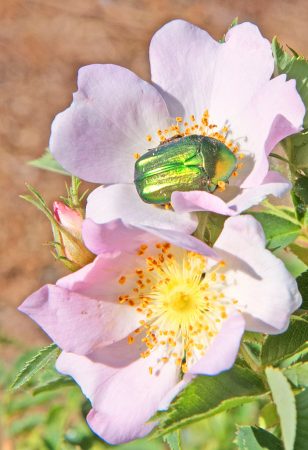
191	163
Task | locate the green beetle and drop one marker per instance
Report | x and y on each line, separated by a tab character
191	163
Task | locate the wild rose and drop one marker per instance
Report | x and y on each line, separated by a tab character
200	86
71	245
155	302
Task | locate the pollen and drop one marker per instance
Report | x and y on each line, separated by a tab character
149	138
221	185
234	174
241	156
179	119
182	303
136	155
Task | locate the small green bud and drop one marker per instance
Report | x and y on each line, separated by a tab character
71	248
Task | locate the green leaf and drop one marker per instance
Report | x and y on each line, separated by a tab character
295	68
279	232
281	211
255	438
302	283
47	162
300	249
206	396
297	147
34	365
251	336
302	420
54	385
285	401
235	22
298	374
173	440
269	417
301	188
294	265
277	348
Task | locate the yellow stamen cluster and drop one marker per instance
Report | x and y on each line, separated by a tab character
180	301
205	129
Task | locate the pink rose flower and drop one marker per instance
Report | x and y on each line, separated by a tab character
126	321
224	90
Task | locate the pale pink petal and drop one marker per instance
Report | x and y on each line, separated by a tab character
184	202
273	183
77	323
266	292
122	201
100	280
219	357
274	112
112	113
119	236
194	73
123	393
183	59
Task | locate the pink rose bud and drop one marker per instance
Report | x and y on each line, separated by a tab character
76	254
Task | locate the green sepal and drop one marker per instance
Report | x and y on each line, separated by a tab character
255	438
47	162
207	396
235	22
54	385
34	365
210	226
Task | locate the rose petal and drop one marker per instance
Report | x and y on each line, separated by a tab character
219	357
273	183
77	323
266	292
122	201
274	112
118	236
109	120
123	393
193	72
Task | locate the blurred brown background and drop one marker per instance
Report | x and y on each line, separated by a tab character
42	45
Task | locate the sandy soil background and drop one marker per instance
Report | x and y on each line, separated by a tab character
42	45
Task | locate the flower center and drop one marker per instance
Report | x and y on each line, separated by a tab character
181	302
